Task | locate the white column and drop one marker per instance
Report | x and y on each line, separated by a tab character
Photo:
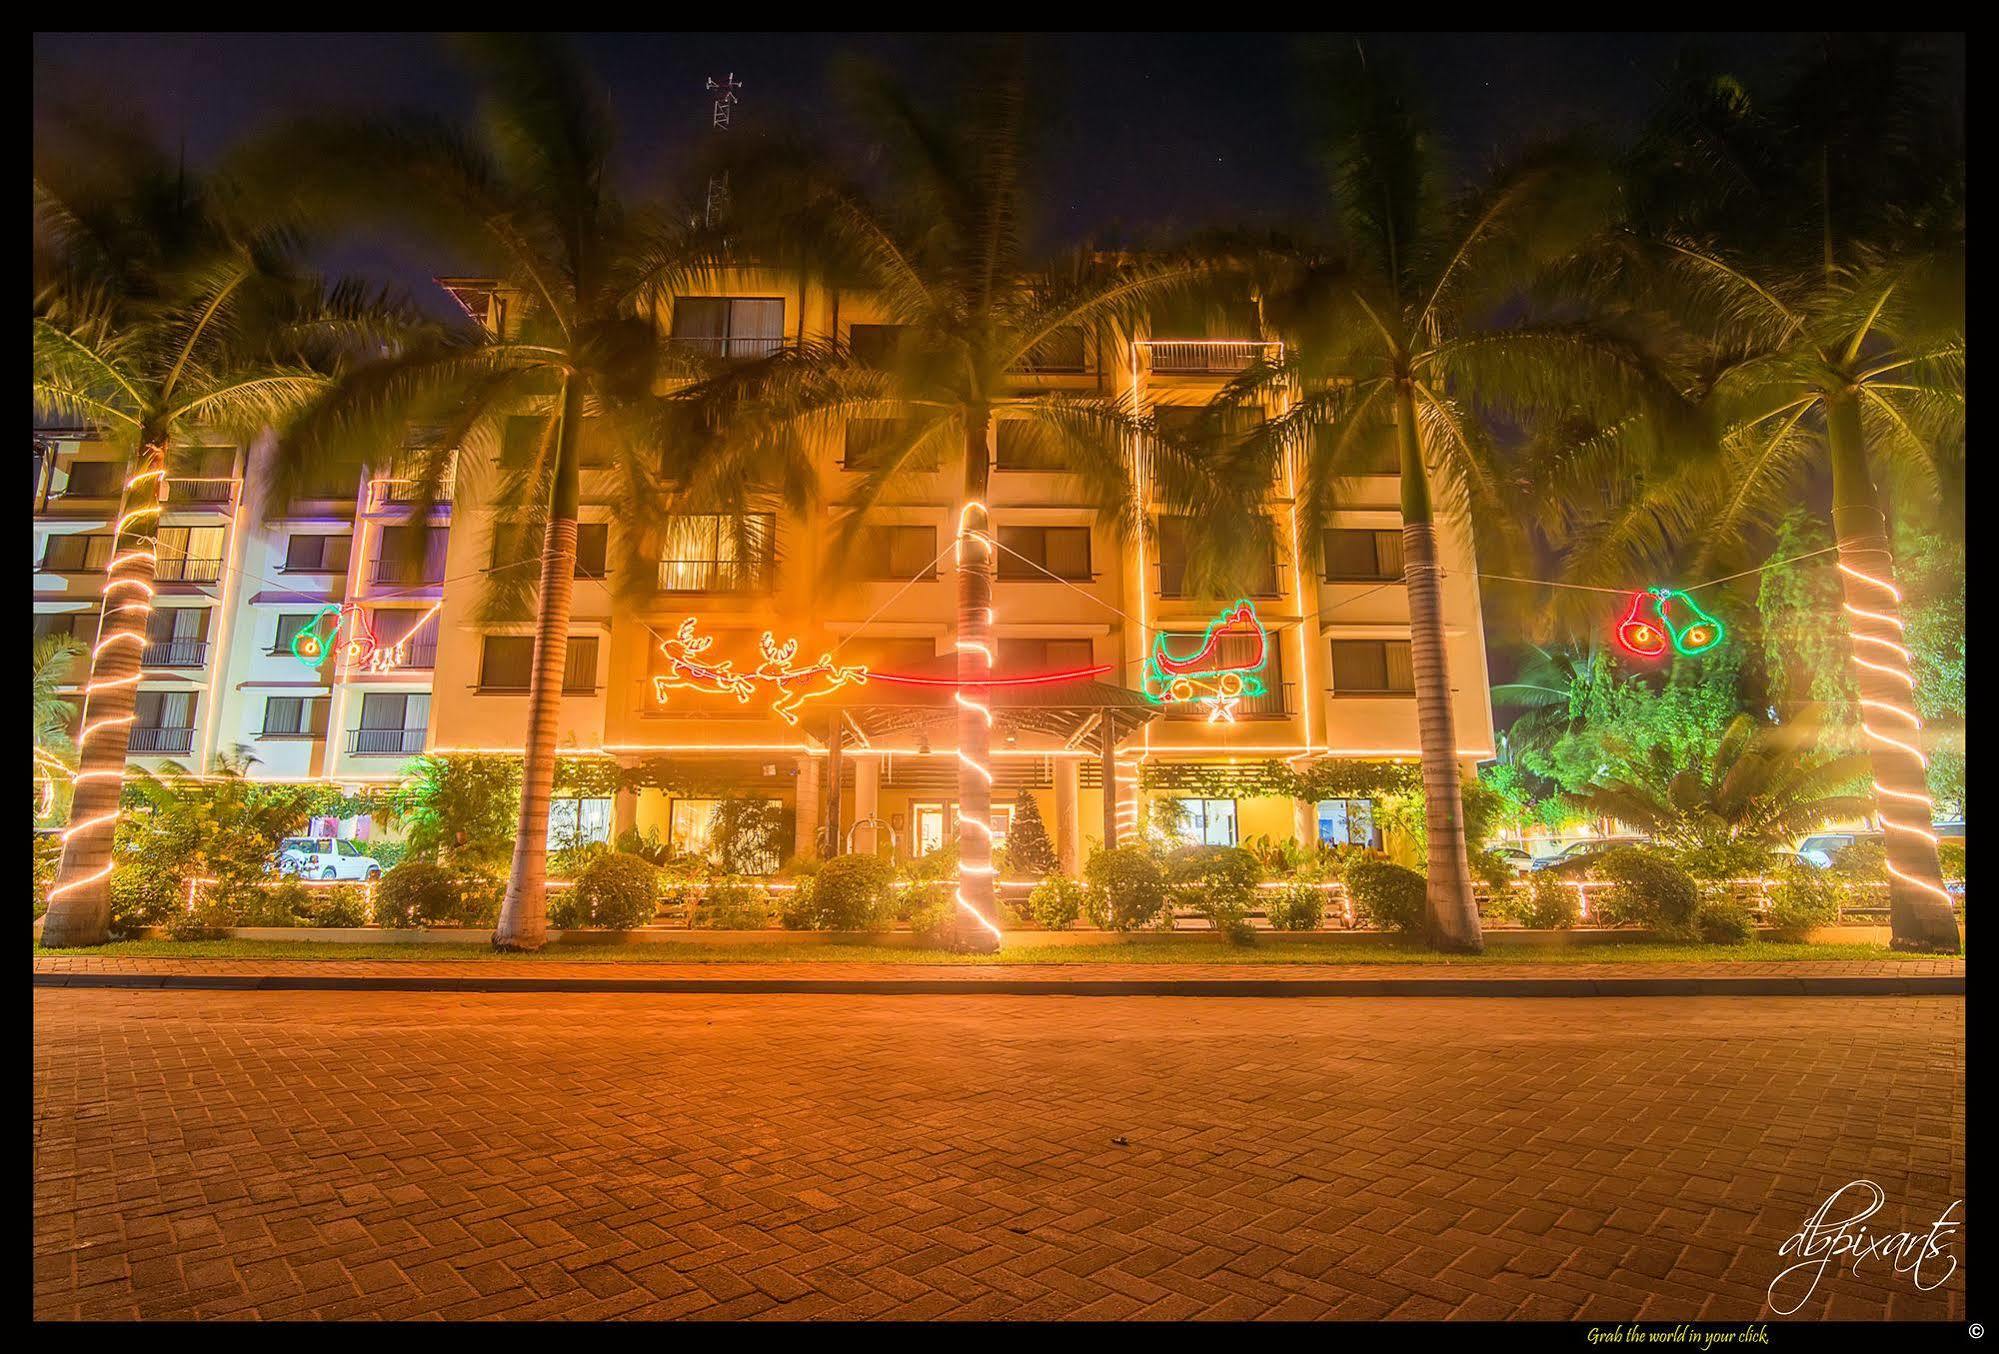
867	802
1068	815
1305	821
805	837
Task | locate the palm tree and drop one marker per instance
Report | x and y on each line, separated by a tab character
157	318
1830	331
945	261
1764	786
528	200
53	661
1400	342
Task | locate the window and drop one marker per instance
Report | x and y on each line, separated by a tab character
317	554
932	826
889	655
177	637
1036	552
578	822
870	442
1239	651
1002	824
1173	549
163	721
690	825
1362	555
1063	350
404	558
392	722
523	436
579	673
514	546
190	554
71	554
896	552
1020	657
717	554
95	479
1207	822
1379	457
331	483
506	663
1372	666
295	716
289	624
873	345
1346	822
398	626
730	326
77	625
1024	444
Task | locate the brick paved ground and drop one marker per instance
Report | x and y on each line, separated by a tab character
833	970
343	1154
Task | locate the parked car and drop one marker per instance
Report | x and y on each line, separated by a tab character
1821	847
1575	851
326	858
1516	859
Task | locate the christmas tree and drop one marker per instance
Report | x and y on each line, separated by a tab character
1029	853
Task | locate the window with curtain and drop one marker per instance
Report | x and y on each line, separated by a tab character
515	547
871	441
1172	546
700	553
1207	822
317	554
1035	552
402	558
506	662
74	554
1346	822
579	673
1362	555
1372	666
729	326
95	479
578	822
295	716
1018	657
691	824
190	554
289	624
897	552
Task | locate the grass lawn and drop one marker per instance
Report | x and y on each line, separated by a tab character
1024	950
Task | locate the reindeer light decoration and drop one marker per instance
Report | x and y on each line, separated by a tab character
792	686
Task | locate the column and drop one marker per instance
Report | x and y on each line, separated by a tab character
1068	815
834	732
1107	753
805	831
1305	821
624	812
867	803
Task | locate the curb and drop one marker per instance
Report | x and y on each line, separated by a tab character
1882	986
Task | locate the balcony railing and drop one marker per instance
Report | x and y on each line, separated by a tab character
404	490
145	739
1272	704
417	654
176	653
1204	356
188	570
200	490
713	575
731	349
408	573
382	742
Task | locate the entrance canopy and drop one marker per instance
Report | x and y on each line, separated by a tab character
1050	715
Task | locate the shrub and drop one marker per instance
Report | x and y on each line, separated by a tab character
1720	919
143	896
1387	896
849	893
1056	903
1862	860
477	897
614	892
1725	860
338	906
1220	882
388	855
1297	907
923	894
1950	855
286	902
734	905
412	893
48	855
1647	889
569	862
1804	897
1126	888
1549	903
1502	884
930	919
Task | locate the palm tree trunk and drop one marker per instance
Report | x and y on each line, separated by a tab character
975	550
80	899
1451	920
524	914
1920	916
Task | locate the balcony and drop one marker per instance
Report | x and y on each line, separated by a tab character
1204	357
186	491
714	575
408	490
407	573
730	349
188	570
1273	704
385	742
152	740
418	655
176	653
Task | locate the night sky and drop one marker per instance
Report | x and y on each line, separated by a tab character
1138	136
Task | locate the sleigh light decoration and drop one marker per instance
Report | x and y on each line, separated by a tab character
1207	675
788	687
